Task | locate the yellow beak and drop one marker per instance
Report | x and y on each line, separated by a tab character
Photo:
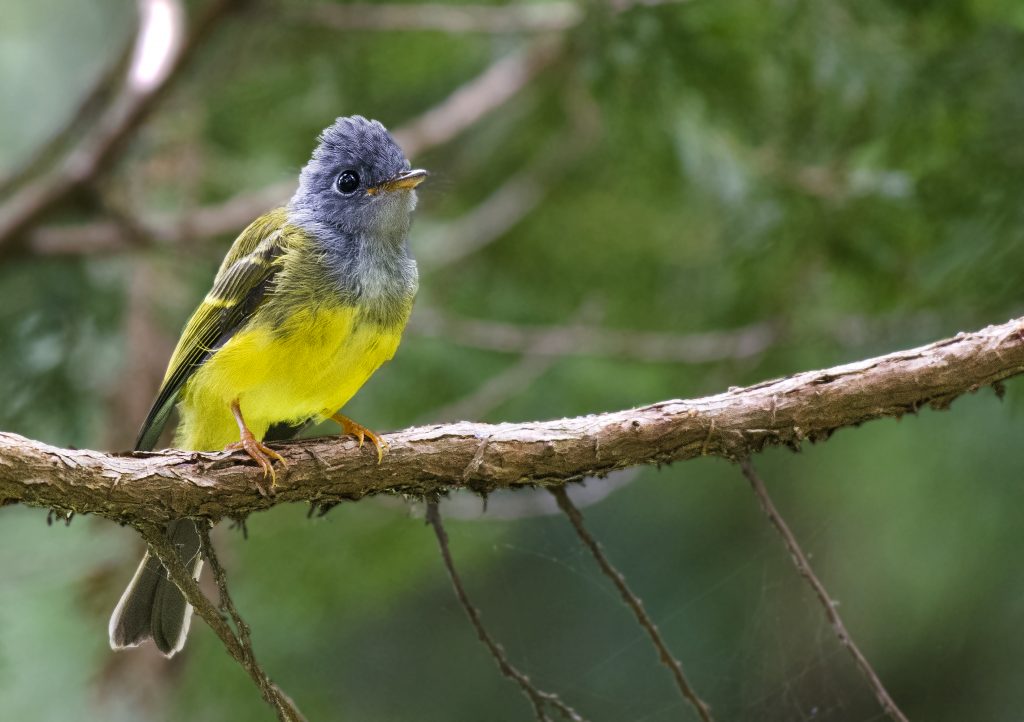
403	181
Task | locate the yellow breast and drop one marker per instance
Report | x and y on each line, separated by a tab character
309	367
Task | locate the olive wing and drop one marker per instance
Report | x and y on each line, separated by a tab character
239	288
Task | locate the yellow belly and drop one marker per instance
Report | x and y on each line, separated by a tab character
310	367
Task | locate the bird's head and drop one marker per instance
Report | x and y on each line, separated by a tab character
358	181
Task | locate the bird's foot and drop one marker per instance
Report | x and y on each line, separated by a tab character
257	450
262	455
361	433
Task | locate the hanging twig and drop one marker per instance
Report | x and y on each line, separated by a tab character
632	601
237	645
224	600
538	698
804	567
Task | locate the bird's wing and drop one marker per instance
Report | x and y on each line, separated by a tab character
238	290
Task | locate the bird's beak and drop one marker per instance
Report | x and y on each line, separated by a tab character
403	181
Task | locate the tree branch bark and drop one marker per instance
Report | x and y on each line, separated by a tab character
157	487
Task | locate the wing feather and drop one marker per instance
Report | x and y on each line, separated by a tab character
239	288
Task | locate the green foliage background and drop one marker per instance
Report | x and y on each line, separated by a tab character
850	171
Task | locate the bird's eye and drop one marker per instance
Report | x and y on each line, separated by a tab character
348	181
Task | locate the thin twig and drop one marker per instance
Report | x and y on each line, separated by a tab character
804	567
236	647
538	698
224	597
632	601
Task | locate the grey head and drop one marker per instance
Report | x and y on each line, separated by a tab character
355	197
357	182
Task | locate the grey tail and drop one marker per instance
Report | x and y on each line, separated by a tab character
152	607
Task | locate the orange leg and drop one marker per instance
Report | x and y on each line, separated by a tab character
351	428
259	452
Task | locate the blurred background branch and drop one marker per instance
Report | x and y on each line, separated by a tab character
162	48
532	18
438	125
595	340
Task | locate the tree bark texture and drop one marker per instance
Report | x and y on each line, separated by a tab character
156	487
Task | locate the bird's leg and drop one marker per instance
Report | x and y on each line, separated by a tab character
258	451
351	428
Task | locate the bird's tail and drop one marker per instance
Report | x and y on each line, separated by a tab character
152	607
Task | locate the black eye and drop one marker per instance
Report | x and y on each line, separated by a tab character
348	181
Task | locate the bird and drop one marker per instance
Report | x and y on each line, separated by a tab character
309	301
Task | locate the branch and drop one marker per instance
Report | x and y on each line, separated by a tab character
807	572
149	75
459	111
237	645
633	602
582	340
557	16
224	601
523	191
91	103
465	107
659	347
538	698
110	236
542	17
158	487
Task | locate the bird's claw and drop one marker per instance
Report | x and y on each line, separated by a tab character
262	455
361	434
